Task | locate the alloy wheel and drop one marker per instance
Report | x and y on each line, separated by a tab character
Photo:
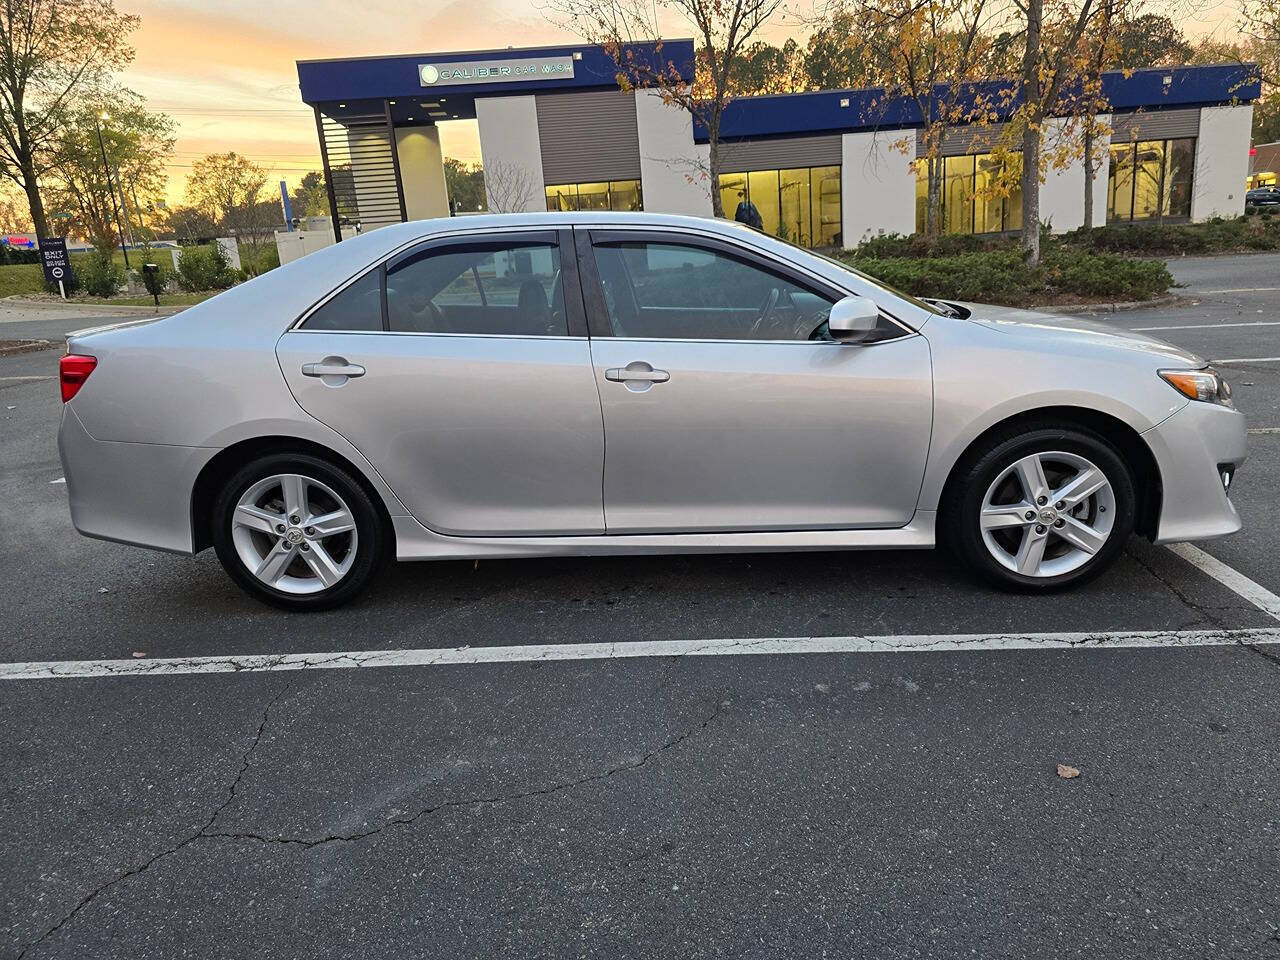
1047	514
294	533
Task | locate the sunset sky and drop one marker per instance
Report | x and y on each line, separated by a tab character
225	70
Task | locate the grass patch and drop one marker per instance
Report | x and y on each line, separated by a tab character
21	278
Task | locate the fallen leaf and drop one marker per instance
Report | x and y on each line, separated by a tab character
102	590
139	654
1067	773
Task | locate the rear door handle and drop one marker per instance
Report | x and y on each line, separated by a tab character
636	371
332	367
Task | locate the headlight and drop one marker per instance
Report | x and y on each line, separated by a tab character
1207	385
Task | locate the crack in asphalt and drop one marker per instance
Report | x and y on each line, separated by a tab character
206	831
621	768
245	762
1205	611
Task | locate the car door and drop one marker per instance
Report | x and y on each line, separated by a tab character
725	409
461	370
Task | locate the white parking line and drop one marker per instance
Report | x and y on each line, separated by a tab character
43	377
1250	360
1264	430
1229	577
542	652
1209	326
1240	290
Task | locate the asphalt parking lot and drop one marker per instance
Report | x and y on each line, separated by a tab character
896	798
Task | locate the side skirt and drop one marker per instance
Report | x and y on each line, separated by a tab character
416	542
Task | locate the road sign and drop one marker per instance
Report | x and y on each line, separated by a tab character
57	265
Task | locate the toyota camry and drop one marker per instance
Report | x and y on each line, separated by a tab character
571	384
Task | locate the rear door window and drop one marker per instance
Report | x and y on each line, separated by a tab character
506	288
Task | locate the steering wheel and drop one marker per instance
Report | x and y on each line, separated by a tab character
766	309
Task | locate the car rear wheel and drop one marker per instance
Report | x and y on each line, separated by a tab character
1041	508
297	532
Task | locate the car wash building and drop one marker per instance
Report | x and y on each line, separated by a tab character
823	169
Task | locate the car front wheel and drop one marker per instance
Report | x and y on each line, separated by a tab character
1041	508
297	532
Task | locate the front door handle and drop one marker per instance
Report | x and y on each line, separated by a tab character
637	371
332	367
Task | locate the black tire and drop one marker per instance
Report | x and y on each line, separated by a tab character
959	524
370	543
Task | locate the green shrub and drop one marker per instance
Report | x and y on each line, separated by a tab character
100	275
13	255
1212	236
998	276
1002	276
258	259
204	268
1105	275
153	282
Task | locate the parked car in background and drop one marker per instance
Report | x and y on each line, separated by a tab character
1262	198
564	384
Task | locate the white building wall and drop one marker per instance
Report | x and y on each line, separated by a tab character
511	153
422	172
673	178
1222	162
877	184
1062	193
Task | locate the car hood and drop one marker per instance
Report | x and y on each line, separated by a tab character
1049	331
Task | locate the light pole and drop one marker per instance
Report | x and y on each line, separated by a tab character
115	210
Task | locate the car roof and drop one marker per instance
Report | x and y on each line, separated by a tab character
541	219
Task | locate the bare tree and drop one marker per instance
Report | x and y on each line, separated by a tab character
933	53
510	188
724	30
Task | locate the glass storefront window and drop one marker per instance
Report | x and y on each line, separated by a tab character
826	206
1150	180
800	205
1147	178
593	196
971	195
604	195
562	198
1180	159
795	217
922	195
762	188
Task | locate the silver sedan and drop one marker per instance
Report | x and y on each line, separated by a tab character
551	385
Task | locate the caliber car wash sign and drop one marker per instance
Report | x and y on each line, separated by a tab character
495	71
53	255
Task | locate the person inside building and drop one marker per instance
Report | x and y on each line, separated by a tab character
747	212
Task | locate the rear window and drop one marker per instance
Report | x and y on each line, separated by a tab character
358	307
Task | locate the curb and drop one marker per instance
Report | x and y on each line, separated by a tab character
97	310
1120	307
24	346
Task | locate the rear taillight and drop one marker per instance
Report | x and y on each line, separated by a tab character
73	371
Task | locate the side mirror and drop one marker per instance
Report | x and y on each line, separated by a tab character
853	319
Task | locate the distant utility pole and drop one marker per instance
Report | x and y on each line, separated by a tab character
115	210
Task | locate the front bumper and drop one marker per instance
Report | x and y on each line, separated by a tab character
1191	449
138	493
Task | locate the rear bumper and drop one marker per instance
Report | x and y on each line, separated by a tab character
138	493
1189	447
